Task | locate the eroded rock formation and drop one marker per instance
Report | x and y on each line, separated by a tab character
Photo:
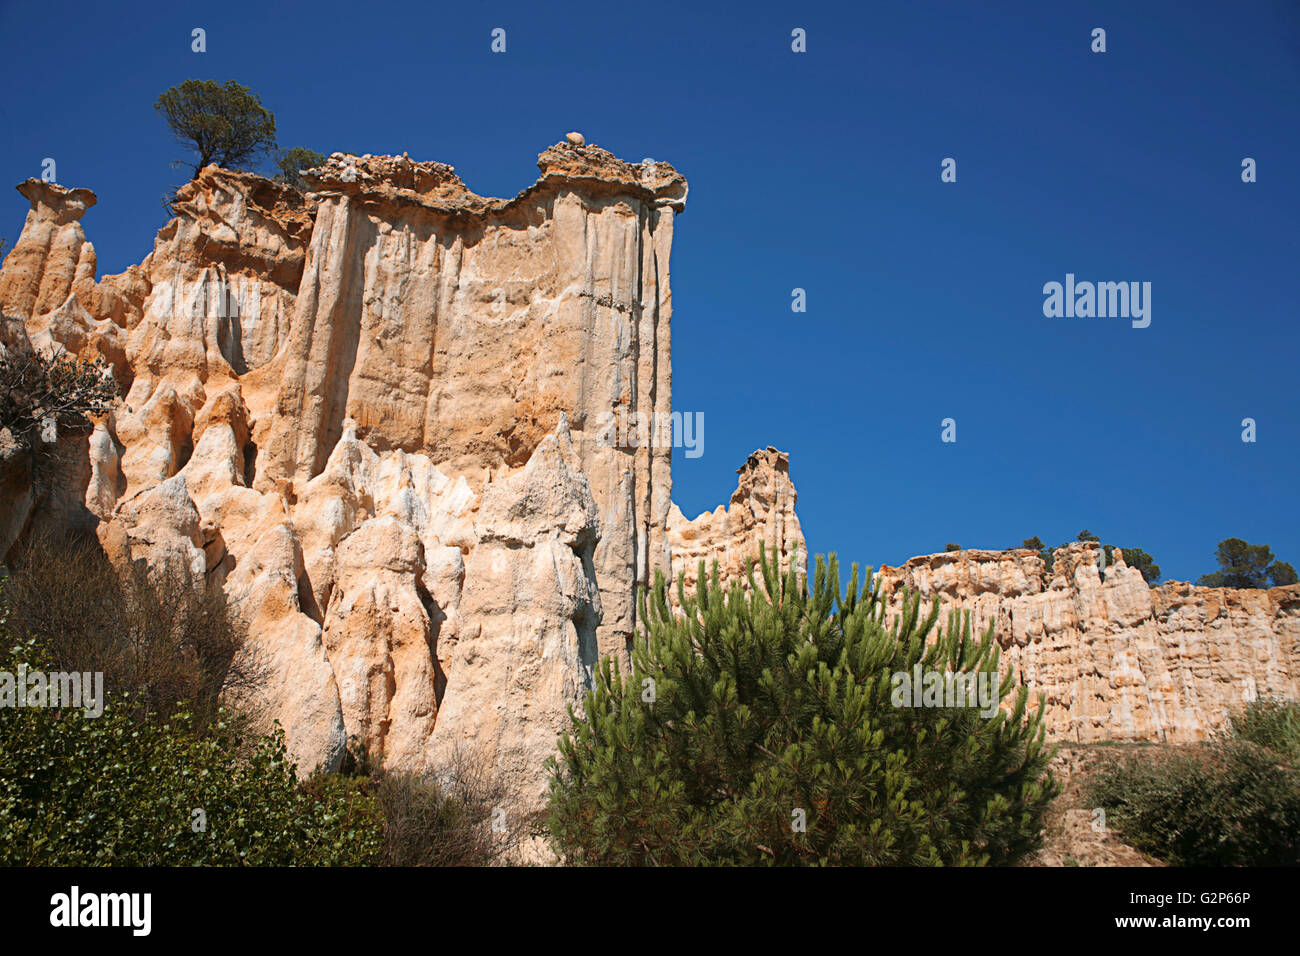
1116	659
374	414
760	513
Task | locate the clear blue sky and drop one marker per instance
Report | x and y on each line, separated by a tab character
821	171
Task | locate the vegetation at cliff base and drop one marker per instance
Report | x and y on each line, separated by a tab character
154	771
139	784
160	641
762	726
1234	801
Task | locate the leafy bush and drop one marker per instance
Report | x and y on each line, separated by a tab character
292	162
38	390
118	790
758	728
163	776
1234	801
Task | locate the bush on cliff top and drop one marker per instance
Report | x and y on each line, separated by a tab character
763	730
223	124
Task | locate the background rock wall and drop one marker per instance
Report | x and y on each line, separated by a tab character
1116	659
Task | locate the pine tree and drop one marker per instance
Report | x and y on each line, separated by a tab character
759	727
1137	558
1245	565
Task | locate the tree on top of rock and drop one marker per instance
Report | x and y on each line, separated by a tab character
1137	558
1283	573
226	125
1244	565
291	164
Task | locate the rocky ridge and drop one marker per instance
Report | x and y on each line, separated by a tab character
1115	658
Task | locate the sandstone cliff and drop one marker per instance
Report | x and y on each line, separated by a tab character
760	513
1116	659
373	414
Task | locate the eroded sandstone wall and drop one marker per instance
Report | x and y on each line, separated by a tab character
380	416
1116	659
441	322
376	415
760	513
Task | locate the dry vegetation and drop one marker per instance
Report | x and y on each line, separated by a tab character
156	638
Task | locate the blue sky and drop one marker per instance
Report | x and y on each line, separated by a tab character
821	171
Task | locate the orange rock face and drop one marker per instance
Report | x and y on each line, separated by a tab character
371	413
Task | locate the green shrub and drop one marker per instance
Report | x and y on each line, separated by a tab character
1271	722
122	790
147	782
1230	802
760	730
